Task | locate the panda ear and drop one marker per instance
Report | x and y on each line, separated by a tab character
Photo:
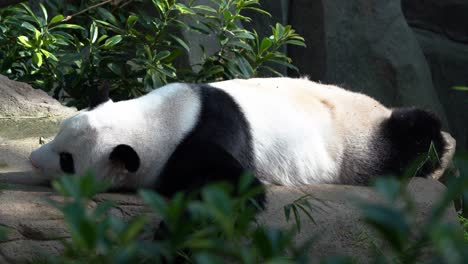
127	156
101	95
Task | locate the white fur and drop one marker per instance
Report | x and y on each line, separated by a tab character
297	138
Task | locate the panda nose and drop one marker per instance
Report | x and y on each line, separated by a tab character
33	163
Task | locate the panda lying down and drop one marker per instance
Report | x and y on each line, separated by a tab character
286	131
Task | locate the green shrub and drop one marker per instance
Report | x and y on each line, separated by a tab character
133	45
221	228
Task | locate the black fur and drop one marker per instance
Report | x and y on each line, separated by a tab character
100	96
126	155
219	148
409	133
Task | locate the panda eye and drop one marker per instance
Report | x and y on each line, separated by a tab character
66	162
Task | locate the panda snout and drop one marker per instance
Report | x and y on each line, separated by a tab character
34	164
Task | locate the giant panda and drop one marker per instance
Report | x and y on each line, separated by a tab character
285	131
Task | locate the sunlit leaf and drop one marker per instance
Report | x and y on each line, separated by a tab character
24	41
110	42
56	19
37	58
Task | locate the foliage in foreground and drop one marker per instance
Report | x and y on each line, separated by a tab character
222	227
67	47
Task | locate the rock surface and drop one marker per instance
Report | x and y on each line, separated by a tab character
446	17
18	100
26	114
448	61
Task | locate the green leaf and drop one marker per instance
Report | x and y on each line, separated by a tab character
243	34
306	211
162	55
266	44
297	218
460	88
131	20
296	43
181	42
133	229
184	9
107	15
30	12
37	58
115	68
205	8
155	201
287	211
217	198
93	31
215	70
49	55
258	10
44	11
240	44
88	233
390	222
110	42
390	187
37	36
28	26
24	41
56	19
71	26
114	28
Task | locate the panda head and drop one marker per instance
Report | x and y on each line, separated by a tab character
96	139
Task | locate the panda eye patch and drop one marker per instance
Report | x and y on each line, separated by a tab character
66	162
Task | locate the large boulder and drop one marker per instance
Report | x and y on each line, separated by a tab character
446	17
26	115
441	29
448	61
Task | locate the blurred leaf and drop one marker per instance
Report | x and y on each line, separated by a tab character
112	41
155	201
390	222
56	19
132	229
460	88
390	187
28	26
205	8
181	42
24	41
70	26
37	58
184	9
131	20
44	11
93	31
